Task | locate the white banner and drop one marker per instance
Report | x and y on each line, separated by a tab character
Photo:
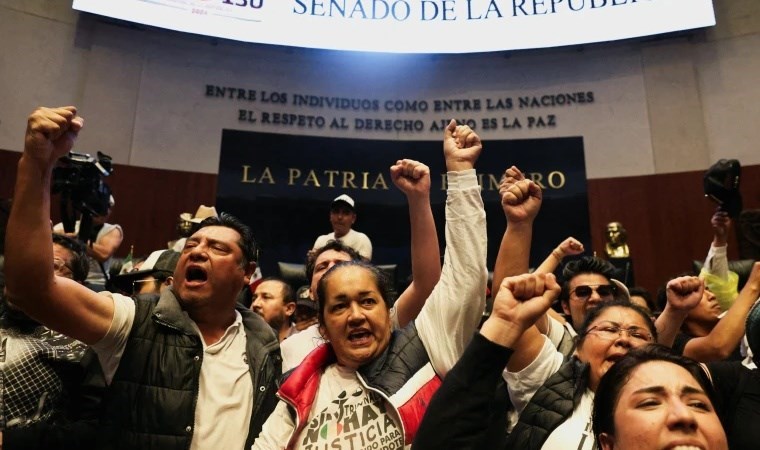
414	26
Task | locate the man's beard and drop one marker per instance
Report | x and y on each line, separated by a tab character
277	321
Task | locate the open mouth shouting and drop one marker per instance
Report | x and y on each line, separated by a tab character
195	276
611	360
359	337
616	357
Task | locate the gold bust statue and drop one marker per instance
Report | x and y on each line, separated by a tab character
616	246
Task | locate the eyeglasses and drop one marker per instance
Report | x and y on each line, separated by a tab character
61	268
613	331
584	292
137	284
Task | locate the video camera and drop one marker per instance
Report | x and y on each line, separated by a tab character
721	184
79	179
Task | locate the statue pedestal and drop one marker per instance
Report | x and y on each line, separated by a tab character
625	270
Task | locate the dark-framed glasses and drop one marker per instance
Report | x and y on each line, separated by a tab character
584	292
137	285
610	331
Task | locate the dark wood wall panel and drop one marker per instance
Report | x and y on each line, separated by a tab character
666	215
148	202
8	163
667	218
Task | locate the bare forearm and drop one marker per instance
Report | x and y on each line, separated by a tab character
28	249
526	349
501	332
100	252
668	324
551	262
514	253
426	259
61	304
105	246
727	333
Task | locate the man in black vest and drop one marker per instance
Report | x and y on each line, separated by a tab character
186	370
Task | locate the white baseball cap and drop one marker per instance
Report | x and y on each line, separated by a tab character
345	199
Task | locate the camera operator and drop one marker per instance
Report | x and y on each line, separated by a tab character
102	242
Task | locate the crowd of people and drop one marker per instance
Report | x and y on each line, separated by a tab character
191	348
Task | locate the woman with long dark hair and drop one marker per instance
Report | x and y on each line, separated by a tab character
655	399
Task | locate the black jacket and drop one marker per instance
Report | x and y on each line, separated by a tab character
737	390
151	401
552	404
465	413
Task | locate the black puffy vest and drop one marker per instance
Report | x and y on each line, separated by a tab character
551	405
404	356
151	401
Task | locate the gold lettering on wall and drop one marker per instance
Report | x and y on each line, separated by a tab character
348	180
537	178
245	175
266	176
292	175
380	181
556	179
311	178
331	177
490	182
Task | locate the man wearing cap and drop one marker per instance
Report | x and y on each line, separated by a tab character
413	179
342	218
105	238
306	311
187	224
186	370
153	276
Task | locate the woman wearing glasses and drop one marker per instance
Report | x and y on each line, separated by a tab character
553	397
